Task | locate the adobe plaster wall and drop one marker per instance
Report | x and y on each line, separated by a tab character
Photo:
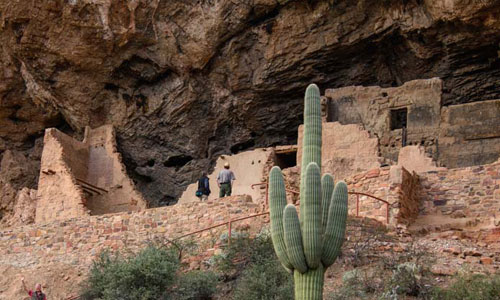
248	168
371	107
67	165
470	134
59	196
414	159
105	169
346	149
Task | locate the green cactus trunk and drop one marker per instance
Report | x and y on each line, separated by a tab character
311	140
309	285
312	243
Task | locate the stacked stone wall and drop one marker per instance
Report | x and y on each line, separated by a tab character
78	241
472	192
409	197
376	183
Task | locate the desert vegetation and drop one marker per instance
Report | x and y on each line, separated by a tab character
249	269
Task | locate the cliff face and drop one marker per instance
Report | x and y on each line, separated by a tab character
186	81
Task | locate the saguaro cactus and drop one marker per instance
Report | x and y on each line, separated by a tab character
309	246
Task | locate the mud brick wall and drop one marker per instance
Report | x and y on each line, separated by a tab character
464	192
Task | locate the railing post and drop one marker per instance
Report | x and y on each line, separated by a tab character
387	213
357	205
229	234
267	195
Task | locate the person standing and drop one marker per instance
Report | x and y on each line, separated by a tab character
37	294
225	181
203	187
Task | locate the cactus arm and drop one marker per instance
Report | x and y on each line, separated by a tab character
311	224
311	141
293	239
327	191
335	227
277	203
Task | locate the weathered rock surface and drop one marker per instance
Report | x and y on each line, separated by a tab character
186	81
18	174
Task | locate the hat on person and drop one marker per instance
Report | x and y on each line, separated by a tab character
226	165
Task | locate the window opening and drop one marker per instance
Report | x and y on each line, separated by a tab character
399	118
286	159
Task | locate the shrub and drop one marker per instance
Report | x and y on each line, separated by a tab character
356	284
264	280
257	269
406	279
195	285
148	275
245	251
471	287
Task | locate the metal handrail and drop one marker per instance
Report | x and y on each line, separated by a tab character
267	190
228	223
387	204
350	193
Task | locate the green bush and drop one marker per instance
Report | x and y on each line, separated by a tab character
254	265
148	275
264	280
195	285
356	284
471	287
406	279
151	274
245	251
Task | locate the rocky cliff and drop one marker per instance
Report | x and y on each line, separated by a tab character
186	81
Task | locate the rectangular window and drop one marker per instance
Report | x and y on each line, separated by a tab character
399	118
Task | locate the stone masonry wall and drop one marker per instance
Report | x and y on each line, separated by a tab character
76	242
472	192
393	184
374	182
409	197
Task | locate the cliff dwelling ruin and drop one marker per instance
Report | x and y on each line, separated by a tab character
453	135
364	129
83	178
435	167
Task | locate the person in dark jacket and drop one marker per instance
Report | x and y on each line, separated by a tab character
203	187
37	294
